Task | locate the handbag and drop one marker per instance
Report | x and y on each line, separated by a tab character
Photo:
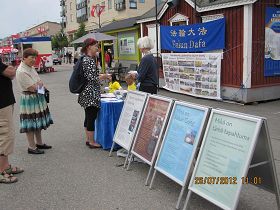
47	95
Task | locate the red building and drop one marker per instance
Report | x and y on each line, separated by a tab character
242	70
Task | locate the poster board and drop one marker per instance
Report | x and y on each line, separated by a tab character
130	118
224	157
196	74
151	128
182	136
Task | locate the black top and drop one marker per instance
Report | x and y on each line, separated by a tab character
6	88
90	96
147	71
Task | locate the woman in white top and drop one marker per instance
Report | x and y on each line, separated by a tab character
34	111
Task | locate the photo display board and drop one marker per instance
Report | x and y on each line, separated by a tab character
225	156
196	74
180	140
151	127
130	118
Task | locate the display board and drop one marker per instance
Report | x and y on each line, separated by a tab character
151	127
130	118
180	141
224	157
196	74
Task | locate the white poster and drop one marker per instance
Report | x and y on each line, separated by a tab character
129	118
196	74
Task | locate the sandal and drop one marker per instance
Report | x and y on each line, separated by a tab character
7	178
13	170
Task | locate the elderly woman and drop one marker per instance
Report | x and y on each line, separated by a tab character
147	70
89	98
34	112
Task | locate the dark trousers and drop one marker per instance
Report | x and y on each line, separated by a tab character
90	116
148	88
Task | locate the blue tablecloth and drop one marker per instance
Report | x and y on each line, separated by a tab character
106	122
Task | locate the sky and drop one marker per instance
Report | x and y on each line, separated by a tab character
19	15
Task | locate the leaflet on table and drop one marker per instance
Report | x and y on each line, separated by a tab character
129	119
40	90
151	127
178	144
111	100
108	95
226	149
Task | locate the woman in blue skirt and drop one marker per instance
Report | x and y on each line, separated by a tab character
34	111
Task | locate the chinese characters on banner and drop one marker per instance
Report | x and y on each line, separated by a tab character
193	74
272	42
194	38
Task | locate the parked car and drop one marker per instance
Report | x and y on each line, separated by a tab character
56	59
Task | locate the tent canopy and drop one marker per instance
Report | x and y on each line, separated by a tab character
95	35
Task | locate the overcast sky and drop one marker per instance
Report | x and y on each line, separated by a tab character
18	15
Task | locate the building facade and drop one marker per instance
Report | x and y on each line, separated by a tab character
46	28
242	67
96	14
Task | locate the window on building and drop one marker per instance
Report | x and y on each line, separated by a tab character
133	4
119	5
180	23
70	5
71	18
141	1
109	4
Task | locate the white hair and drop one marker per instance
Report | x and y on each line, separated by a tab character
145	43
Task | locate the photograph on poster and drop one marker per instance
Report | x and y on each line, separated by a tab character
133	120
150	128
195	68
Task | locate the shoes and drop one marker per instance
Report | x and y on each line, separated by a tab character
13	170
35	151
43	146
91	146
7	178
87	143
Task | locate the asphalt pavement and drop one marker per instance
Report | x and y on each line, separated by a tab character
72	176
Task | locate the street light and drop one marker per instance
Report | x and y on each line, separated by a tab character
98	12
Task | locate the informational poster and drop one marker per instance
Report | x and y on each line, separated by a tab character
151	127
130	118
272	42
180	141
224	157
196	74
127	45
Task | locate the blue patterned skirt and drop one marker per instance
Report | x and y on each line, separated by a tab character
34	112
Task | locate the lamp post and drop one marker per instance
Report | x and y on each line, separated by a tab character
156	7
98	12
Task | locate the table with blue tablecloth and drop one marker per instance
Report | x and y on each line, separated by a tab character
107	120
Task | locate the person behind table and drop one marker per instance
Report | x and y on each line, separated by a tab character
147	70
130	81
89	98
34	111
7	132
113	84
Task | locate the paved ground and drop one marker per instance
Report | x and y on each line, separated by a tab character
71	176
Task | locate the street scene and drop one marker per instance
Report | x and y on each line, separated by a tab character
140	104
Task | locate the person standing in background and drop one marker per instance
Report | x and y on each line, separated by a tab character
34	111
7	133
148	69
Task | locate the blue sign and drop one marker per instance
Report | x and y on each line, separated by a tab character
178	144
272	42
194	38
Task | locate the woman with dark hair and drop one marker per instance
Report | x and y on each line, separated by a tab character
34	111
113	84
89	98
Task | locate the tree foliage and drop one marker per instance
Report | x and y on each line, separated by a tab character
79	33
59	40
